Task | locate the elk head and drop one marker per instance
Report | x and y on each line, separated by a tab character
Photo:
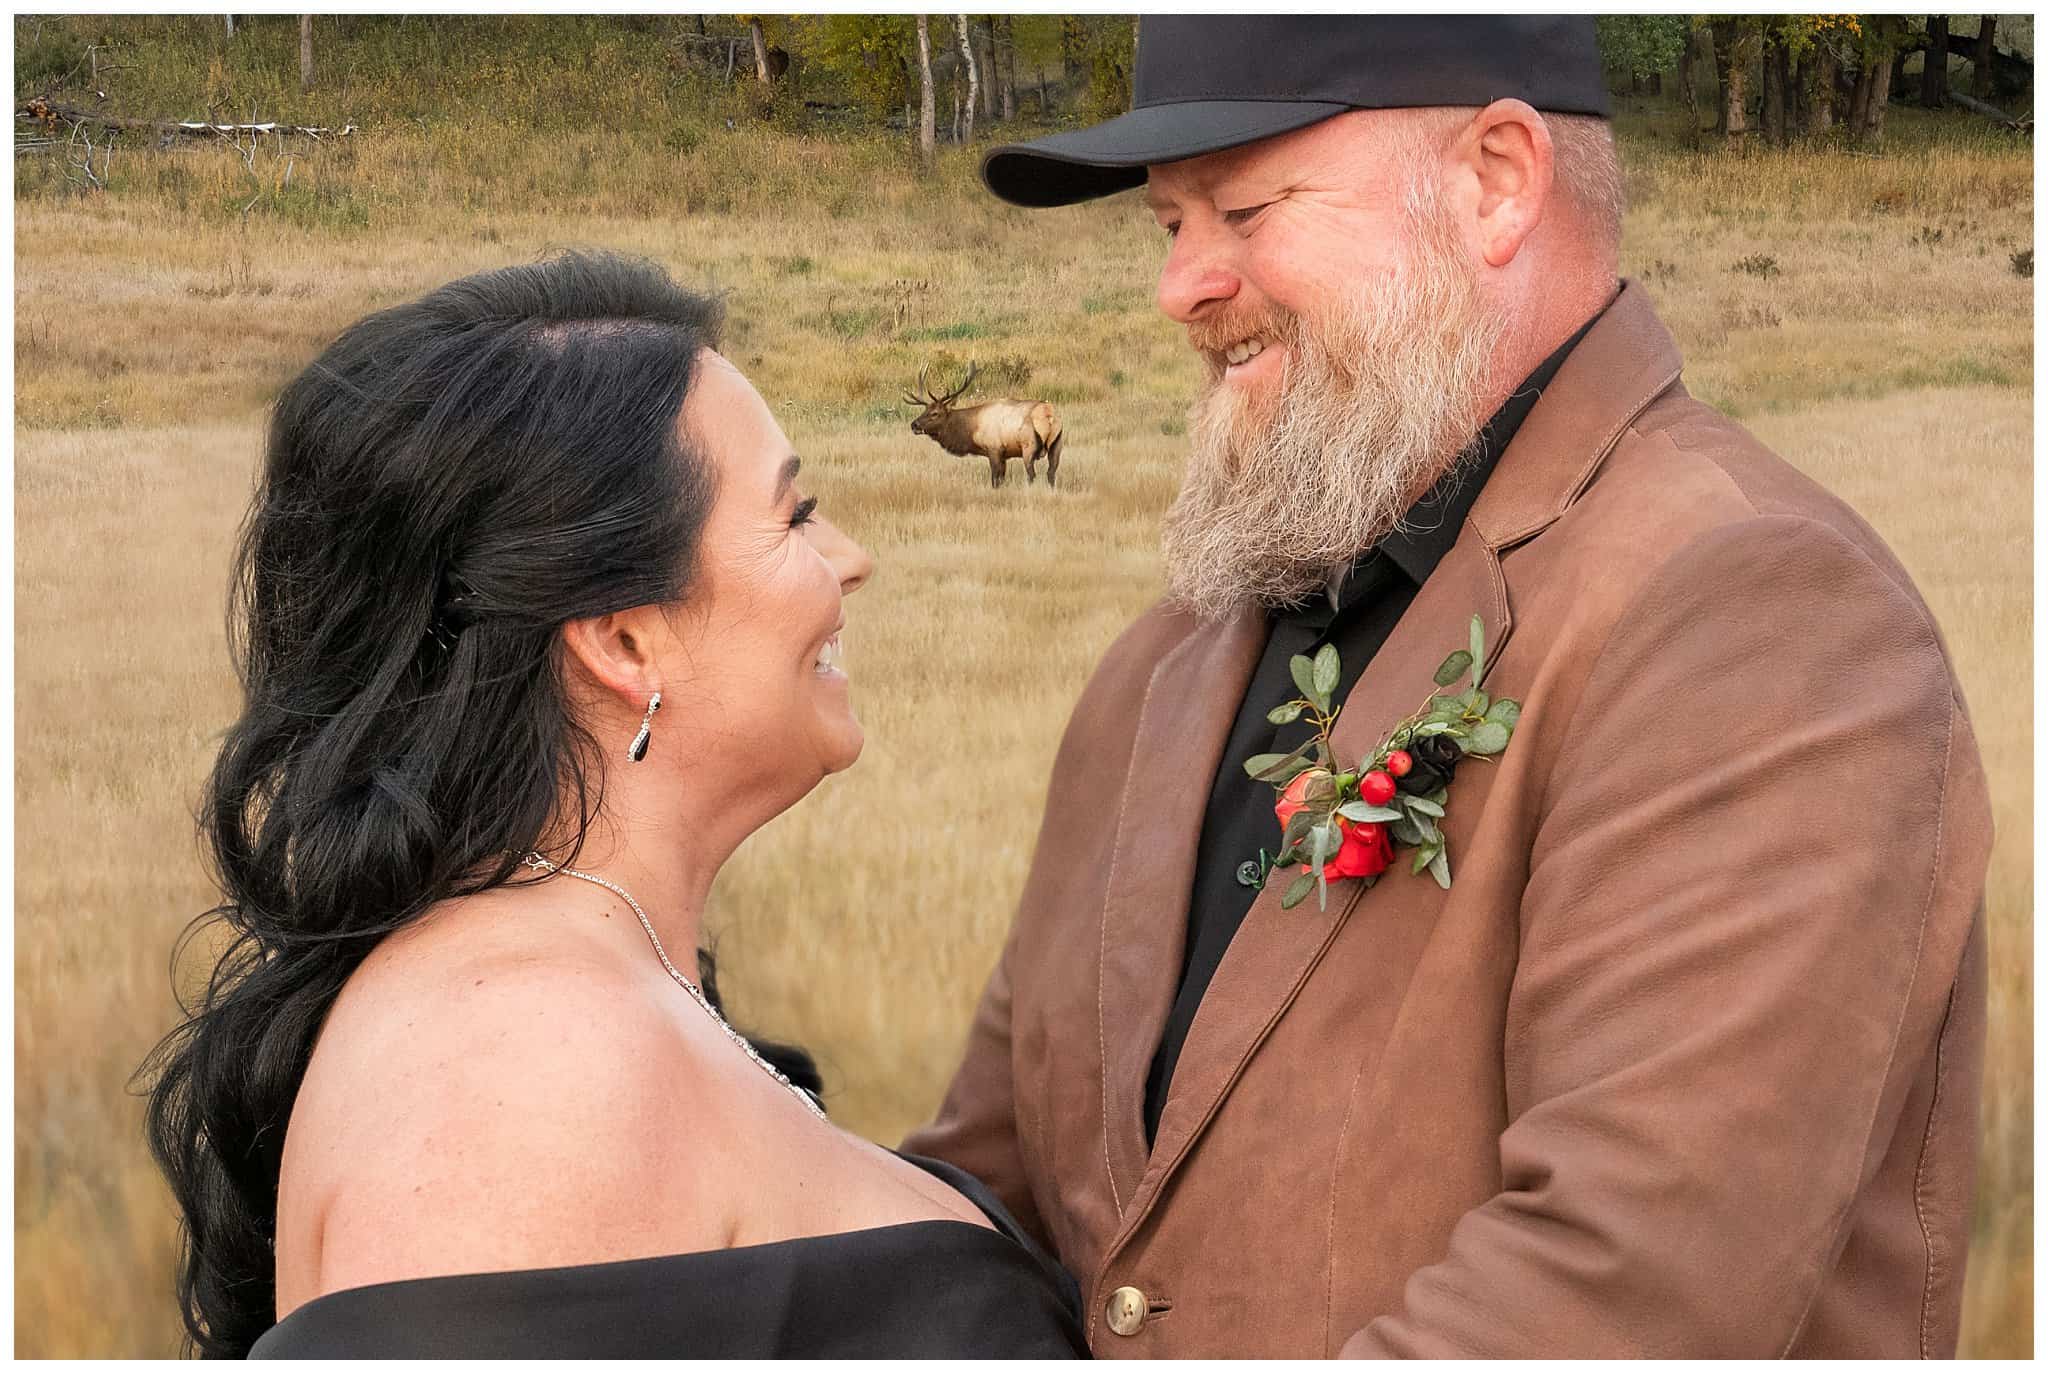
935	407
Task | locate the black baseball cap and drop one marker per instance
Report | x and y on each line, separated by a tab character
1210	82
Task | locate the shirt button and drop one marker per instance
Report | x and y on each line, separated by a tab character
1126	1311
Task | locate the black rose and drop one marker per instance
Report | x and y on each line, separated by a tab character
1436	759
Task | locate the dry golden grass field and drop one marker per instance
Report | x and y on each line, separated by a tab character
1880	338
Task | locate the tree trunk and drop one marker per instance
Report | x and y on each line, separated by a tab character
305	52
992	78
973	76
927	111
1715	41
1934	74
231	24
1009	68
1734	60
1823	94
1872	128
1134	61
1859	101
1777	76
1980	63
1656	83
1698	53
760	50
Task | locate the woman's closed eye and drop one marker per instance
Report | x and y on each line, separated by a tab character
805	510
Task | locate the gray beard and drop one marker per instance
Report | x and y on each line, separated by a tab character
1380	397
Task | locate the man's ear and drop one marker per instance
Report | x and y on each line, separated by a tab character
1506	149
617	651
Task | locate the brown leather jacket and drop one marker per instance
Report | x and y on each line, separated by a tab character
1687	1060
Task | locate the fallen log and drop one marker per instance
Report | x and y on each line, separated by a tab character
1976	106
51	115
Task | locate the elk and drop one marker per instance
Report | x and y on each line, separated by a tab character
997	430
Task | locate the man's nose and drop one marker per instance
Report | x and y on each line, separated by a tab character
1199	270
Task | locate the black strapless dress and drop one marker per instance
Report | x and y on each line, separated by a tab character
921	1290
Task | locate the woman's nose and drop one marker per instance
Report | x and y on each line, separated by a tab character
846	557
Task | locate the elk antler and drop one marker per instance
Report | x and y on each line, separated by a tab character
956	393
919	397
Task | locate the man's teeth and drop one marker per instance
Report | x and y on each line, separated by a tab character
1244	351
831	658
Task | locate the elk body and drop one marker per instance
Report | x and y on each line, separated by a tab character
996	430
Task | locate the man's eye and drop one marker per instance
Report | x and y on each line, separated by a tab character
1172	230
1240	216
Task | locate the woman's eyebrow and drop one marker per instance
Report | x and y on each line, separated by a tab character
789	471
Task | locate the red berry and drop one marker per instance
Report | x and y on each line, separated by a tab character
1376	788
1398	763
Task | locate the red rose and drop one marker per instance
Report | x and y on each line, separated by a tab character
1295	796
1367	851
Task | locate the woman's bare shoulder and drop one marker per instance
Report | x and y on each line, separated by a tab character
487	1096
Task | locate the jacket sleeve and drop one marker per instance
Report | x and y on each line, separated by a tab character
1756	867
976	1127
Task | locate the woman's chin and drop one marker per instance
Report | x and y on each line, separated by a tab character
842	744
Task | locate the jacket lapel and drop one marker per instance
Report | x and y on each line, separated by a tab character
1274	950
1185	719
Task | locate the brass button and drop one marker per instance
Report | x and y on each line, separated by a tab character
1126	1311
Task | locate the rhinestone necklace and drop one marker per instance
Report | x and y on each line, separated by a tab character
542	865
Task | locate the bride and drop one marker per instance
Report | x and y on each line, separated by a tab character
534	626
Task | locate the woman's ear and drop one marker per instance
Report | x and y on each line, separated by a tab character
617	651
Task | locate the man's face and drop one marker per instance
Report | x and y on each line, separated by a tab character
1326	281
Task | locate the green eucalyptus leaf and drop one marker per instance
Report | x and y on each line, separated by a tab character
1505	711
1322	890
1446	708
1478	650
1433	727
1286	715
1303	669
1423	804
1440	869
1323	842
1453	668
1328	670
1487	737
1298	826
1423	856
1405	831
1260	763
1297	891
1476	702
1430	834
1366	811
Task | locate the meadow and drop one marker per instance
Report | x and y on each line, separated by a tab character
1864	315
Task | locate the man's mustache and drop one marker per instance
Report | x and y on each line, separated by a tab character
1211	336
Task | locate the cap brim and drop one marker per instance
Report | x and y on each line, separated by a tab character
1113	156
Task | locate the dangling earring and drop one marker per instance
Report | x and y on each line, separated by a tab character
637	750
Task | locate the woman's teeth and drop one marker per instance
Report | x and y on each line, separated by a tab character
831	658
1244	351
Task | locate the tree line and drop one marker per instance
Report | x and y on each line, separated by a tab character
1743	78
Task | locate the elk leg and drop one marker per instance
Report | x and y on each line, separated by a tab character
996	467
1031	468
1052	460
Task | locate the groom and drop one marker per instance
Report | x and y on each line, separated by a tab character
1685	1061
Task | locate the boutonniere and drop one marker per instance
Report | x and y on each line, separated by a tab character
1346	823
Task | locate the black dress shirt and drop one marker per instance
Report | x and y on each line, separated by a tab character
1369	601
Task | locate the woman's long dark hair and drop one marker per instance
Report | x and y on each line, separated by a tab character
450	482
